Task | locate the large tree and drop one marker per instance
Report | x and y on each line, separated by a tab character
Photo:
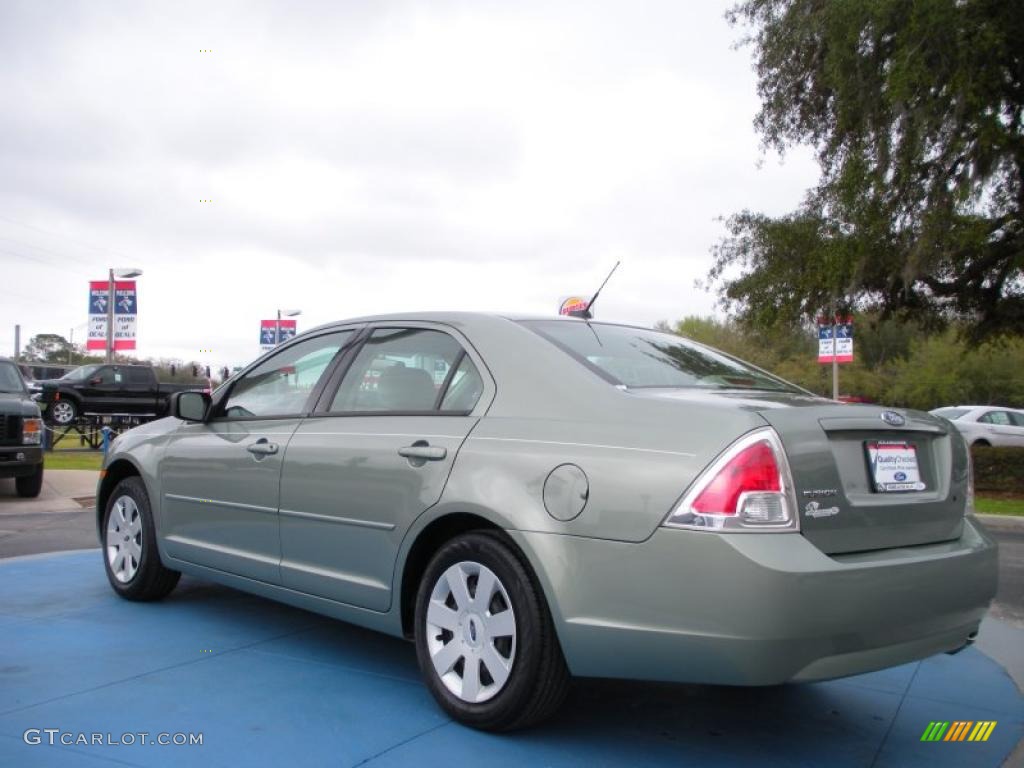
914	110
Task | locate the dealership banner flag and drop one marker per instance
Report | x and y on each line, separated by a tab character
269	333
126	308
835	338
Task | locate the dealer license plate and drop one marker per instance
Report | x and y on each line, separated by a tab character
894	466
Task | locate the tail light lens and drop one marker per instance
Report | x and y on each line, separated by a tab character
969	505
748	488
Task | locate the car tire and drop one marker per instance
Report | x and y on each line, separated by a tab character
63	412
130	556
454	630
29	486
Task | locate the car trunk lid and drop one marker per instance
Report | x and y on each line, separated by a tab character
871	478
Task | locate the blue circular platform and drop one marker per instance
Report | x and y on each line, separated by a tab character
270	685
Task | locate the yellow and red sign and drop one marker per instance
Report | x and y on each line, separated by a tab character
572	304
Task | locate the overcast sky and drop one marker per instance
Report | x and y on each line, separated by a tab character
367	157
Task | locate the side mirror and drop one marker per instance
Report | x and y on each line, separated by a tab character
190	406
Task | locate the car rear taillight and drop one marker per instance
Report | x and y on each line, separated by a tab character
749	487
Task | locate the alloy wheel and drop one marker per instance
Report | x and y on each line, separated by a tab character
124	539
63	413
471	632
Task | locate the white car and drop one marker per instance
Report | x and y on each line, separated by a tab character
986	424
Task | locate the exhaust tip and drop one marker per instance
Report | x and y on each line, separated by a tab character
967	643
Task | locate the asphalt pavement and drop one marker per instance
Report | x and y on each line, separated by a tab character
1009	602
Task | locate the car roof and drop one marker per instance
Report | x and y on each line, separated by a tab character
466	318
979	407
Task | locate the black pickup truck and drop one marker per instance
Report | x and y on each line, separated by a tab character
21	432
106	389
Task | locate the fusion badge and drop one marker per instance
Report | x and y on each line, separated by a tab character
814	509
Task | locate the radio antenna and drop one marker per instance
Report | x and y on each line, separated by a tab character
586	314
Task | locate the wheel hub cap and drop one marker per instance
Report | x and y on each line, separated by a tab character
471	632
124	539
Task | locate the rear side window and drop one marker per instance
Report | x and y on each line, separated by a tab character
1017	418
1000	418
405	370
639	358
139	376
464	389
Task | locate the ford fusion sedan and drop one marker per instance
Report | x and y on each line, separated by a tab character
529	500
986	424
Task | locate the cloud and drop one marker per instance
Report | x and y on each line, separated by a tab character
369	156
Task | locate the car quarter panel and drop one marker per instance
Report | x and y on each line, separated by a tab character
639	454
636	471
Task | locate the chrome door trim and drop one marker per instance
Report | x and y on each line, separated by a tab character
218	503
579	445
338	520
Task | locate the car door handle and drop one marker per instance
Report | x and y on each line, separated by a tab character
262	448
423	451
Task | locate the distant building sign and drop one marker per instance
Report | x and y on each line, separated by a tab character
126	304
835	339
572	304
269	332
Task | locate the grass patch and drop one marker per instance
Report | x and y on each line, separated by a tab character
1000	505
73	459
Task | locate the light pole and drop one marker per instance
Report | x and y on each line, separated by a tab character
277	328
71	339
124	274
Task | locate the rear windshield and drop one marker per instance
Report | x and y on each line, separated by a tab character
639	358
951	413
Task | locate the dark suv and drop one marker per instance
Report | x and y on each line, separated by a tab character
21	432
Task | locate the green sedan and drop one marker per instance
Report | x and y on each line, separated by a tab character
529	500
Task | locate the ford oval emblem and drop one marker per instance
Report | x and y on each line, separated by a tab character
893	419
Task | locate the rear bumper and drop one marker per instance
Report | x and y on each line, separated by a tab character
12	466
757	609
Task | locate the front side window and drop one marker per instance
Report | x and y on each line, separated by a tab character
107	376
636	357
281	385
398	370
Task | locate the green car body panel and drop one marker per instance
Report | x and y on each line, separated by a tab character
333	519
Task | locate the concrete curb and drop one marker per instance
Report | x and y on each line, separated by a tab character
1003	522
